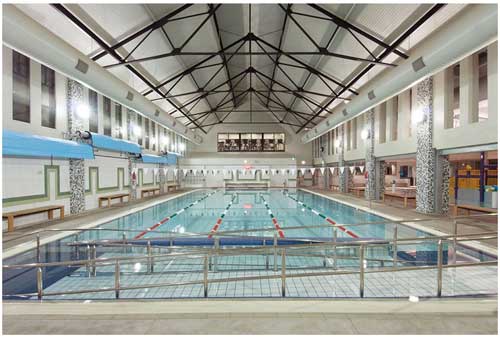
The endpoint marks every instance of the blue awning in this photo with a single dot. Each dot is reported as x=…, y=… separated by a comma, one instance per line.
x=27, y=145
x=152, y=159
x=172, y=159
x=113, y=144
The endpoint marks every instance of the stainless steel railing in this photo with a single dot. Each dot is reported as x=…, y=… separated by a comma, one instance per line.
x=207, y=254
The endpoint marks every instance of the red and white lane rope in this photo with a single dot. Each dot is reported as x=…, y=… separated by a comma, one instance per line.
x=273, y=219
x=330, y=220
x=162, y=221
x=221, y=216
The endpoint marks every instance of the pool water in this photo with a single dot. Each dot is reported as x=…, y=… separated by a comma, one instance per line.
x=217, y=211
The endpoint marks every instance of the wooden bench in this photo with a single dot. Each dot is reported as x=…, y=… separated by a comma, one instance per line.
x=173, y=187
x=246, y=186
x=49, y=209
x=357, y=189
x=469, y=208
x=334, y=187
x=405, y=197
x=149, y=191
x=112, y=197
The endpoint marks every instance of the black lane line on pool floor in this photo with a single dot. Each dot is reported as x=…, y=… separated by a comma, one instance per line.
x=162, y=221
x=330, y=220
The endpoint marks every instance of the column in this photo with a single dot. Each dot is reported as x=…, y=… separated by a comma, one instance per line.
x=163, y=178
x=442, y=185
x=342, y=175
x=370, y=184
x=132, y=178
x=76, y=166
x=468, y=90
x=426, y=154
x=380, y=167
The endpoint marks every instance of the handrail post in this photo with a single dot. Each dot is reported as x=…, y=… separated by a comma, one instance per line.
x=395, y=247
x=275, y=245
x=283, y=272
x=39, y=283
x=117, y=279
x=77, y=247
x=38, y=248
x=94, y=257
x=124, y=237
x=334, y=247
x=205, y=276
x=455, y=233
x=362, y=270
x=440, y=268
x=267, y=255
x=150, y=258
x=87, y=265
x=216, y=248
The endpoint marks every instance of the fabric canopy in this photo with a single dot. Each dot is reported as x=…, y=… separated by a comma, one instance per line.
x=27, y=145
x=114, y=144
x=152, y=159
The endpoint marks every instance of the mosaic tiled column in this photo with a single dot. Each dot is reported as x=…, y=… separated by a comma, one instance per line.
x=343, y=176
x=370, y=185
x=443, y=185
x=132, y=179
x=380, y=167
x=162, y=177
x=76, y=166
x=426, y=154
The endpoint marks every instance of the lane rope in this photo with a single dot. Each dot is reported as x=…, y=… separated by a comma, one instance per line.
x=330, y=220
x=162, y=221
x=221, y=216
x=273, y=219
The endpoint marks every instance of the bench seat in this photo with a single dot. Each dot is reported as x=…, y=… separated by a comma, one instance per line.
x=112, y=197
x=49, y=209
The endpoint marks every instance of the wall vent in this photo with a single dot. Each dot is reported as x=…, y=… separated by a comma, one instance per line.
x=130, y=96
x=173, y=123
x=82, y=66
x=371, y=95
x=418, y=64
x=327, y=123
x=157, y=113
x=344, y=112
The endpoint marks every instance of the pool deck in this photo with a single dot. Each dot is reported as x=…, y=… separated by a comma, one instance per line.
x=396, y=211
x=444, y=316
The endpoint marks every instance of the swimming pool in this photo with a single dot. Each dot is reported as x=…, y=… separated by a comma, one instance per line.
x=198, y=218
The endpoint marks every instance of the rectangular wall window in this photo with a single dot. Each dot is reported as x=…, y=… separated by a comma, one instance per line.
x=21, y=87
x=107, y=116
x=94, y=112
x=139, y=128
x=118, y=120
x=482, y=76
x=348, y=135
x=354, y=125
x=153, y=136
x=48, y=97
x=455, y=99
x=146, y=132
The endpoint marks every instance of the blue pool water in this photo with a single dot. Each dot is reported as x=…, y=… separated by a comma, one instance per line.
x=242, y=210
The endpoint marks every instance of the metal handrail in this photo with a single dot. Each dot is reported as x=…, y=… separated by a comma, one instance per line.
x=266, y=249
x=220, y=233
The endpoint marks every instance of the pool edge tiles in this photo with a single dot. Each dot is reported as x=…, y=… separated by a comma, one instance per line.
x=26, y=246
x=472, y=244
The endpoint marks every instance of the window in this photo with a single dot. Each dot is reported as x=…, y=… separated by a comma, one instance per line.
x=394, y=119
x=455, y=99
x=21, y=87
x=146, y=132
x=94, y=113
x=251, y=142
x=153, y=136
x=118, y=120
x=348, y=127
x=48, y=97
x=482, y=76
x=107, y=116
x=139, y=126
x=245, y=142
x=354, y=133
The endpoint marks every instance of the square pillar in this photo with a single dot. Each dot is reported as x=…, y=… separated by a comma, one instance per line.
x=426, y=154
x=74, y=98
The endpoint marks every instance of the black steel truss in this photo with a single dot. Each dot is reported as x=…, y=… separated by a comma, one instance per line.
x=277, y=96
